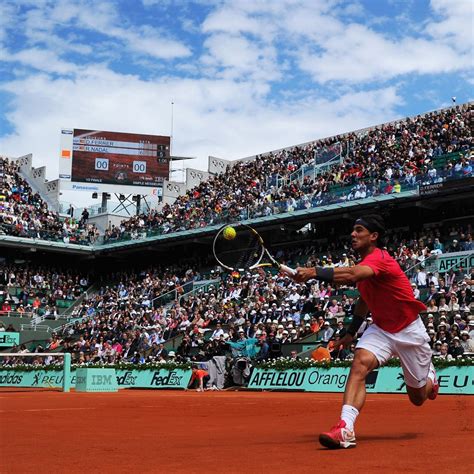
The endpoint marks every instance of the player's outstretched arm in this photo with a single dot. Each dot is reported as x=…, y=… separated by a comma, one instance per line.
x=340, y=275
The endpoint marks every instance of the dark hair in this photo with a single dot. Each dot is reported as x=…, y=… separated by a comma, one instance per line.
x=373, y=223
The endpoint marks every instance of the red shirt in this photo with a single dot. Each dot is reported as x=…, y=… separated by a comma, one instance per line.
x=388, y=293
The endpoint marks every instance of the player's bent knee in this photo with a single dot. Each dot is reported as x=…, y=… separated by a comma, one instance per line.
x=359, y=370
x=364, y=362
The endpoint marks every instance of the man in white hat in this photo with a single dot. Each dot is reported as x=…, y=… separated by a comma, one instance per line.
x=470, y=328
x=467, y=342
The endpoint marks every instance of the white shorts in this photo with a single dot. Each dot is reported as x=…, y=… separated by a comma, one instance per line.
x=409, y=344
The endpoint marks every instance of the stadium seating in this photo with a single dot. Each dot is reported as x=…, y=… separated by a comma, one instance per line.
x=384, y=160
x=157, y=306
x=143, y=316
x=24, y=214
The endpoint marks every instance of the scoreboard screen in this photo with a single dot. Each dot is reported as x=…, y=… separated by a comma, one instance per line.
x=119, y=158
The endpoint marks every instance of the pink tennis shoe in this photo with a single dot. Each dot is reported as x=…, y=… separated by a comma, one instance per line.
x=338, y=437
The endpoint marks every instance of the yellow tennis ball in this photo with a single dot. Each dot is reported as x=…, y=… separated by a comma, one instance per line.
x=229, y=233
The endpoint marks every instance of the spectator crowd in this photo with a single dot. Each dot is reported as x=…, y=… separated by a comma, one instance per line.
x=256, y=315
x=381, y=160
x=34, y=290
x=23, y=213
x=253, y=314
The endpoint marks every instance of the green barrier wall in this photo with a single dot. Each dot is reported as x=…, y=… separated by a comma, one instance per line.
x=96, y=380
x=125, y=378
x=452, y=380
x=9, y=339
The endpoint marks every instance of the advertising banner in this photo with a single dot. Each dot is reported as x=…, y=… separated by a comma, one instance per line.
x=158, y=378
x=453, y=380
x=9, y=339
x=96, y=380
x=153, y=378
x=455, y=260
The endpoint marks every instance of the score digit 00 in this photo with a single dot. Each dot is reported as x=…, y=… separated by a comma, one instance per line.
x=139, y=166
x=102, y=164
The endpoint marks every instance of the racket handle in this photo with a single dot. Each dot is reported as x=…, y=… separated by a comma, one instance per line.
x=287, y=270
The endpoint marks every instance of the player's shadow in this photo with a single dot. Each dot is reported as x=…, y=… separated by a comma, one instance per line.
x=392, y=437
x=371, y=437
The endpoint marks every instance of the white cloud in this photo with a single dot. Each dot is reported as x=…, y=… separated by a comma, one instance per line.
x=373, y=57
x=241, y=58
x=219, y=117
x=331, y=49
x=43, y=60
x=40, y=25
x=239, y=55
x=455, y=24
x=7, y=18
x=234, y=21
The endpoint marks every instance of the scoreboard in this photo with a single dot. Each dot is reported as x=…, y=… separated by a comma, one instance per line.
x=114, y=158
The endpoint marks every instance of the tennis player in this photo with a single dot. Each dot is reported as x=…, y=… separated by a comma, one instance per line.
x=397, y=330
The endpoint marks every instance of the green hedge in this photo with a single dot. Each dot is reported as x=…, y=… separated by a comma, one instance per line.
x=284, y=363
x=281, y=363
x=120, y=366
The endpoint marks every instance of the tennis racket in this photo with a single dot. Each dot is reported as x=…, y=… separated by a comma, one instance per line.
x=246, y=251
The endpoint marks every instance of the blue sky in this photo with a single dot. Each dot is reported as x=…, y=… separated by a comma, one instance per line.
x=245, y=76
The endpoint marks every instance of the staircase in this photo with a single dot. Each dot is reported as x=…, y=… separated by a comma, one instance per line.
x=323, y=160
x=36, y=178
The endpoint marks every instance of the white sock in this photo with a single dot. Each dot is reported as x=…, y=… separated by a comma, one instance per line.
x=432, y=373
x=349, y=415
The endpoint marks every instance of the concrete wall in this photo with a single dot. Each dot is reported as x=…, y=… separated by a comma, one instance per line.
x=36, y=178
x=171, y=190
x=104, y=221
x=194, y=177
x=218, y=165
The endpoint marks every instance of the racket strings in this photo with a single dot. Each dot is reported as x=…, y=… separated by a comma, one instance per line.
x=252, y=254
x=239, y=253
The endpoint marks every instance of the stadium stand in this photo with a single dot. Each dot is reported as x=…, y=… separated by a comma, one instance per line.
x=133, y=320
x=382, y=160
x=24, y=213
x=175, y=305
x=39, y=291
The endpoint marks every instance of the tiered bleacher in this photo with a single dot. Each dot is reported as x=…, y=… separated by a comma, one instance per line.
x=25, y=214
x=194, y=311
x=46, y=292
x=384, y=160
x=134, y=320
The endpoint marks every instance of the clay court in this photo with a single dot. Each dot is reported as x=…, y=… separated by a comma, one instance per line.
x=237, y=432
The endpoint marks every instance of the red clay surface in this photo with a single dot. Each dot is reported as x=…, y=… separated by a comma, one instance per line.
x=234, y=432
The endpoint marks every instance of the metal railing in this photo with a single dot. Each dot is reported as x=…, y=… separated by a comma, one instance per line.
x=425, y=264
x=16, y=314
x=429, y=264
x=77, y=302
x=199, y=288
x=171, y=295
x=77, y=237
x=320, y=164
x=356, y=191
x=458, y=264
x=35, y=327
